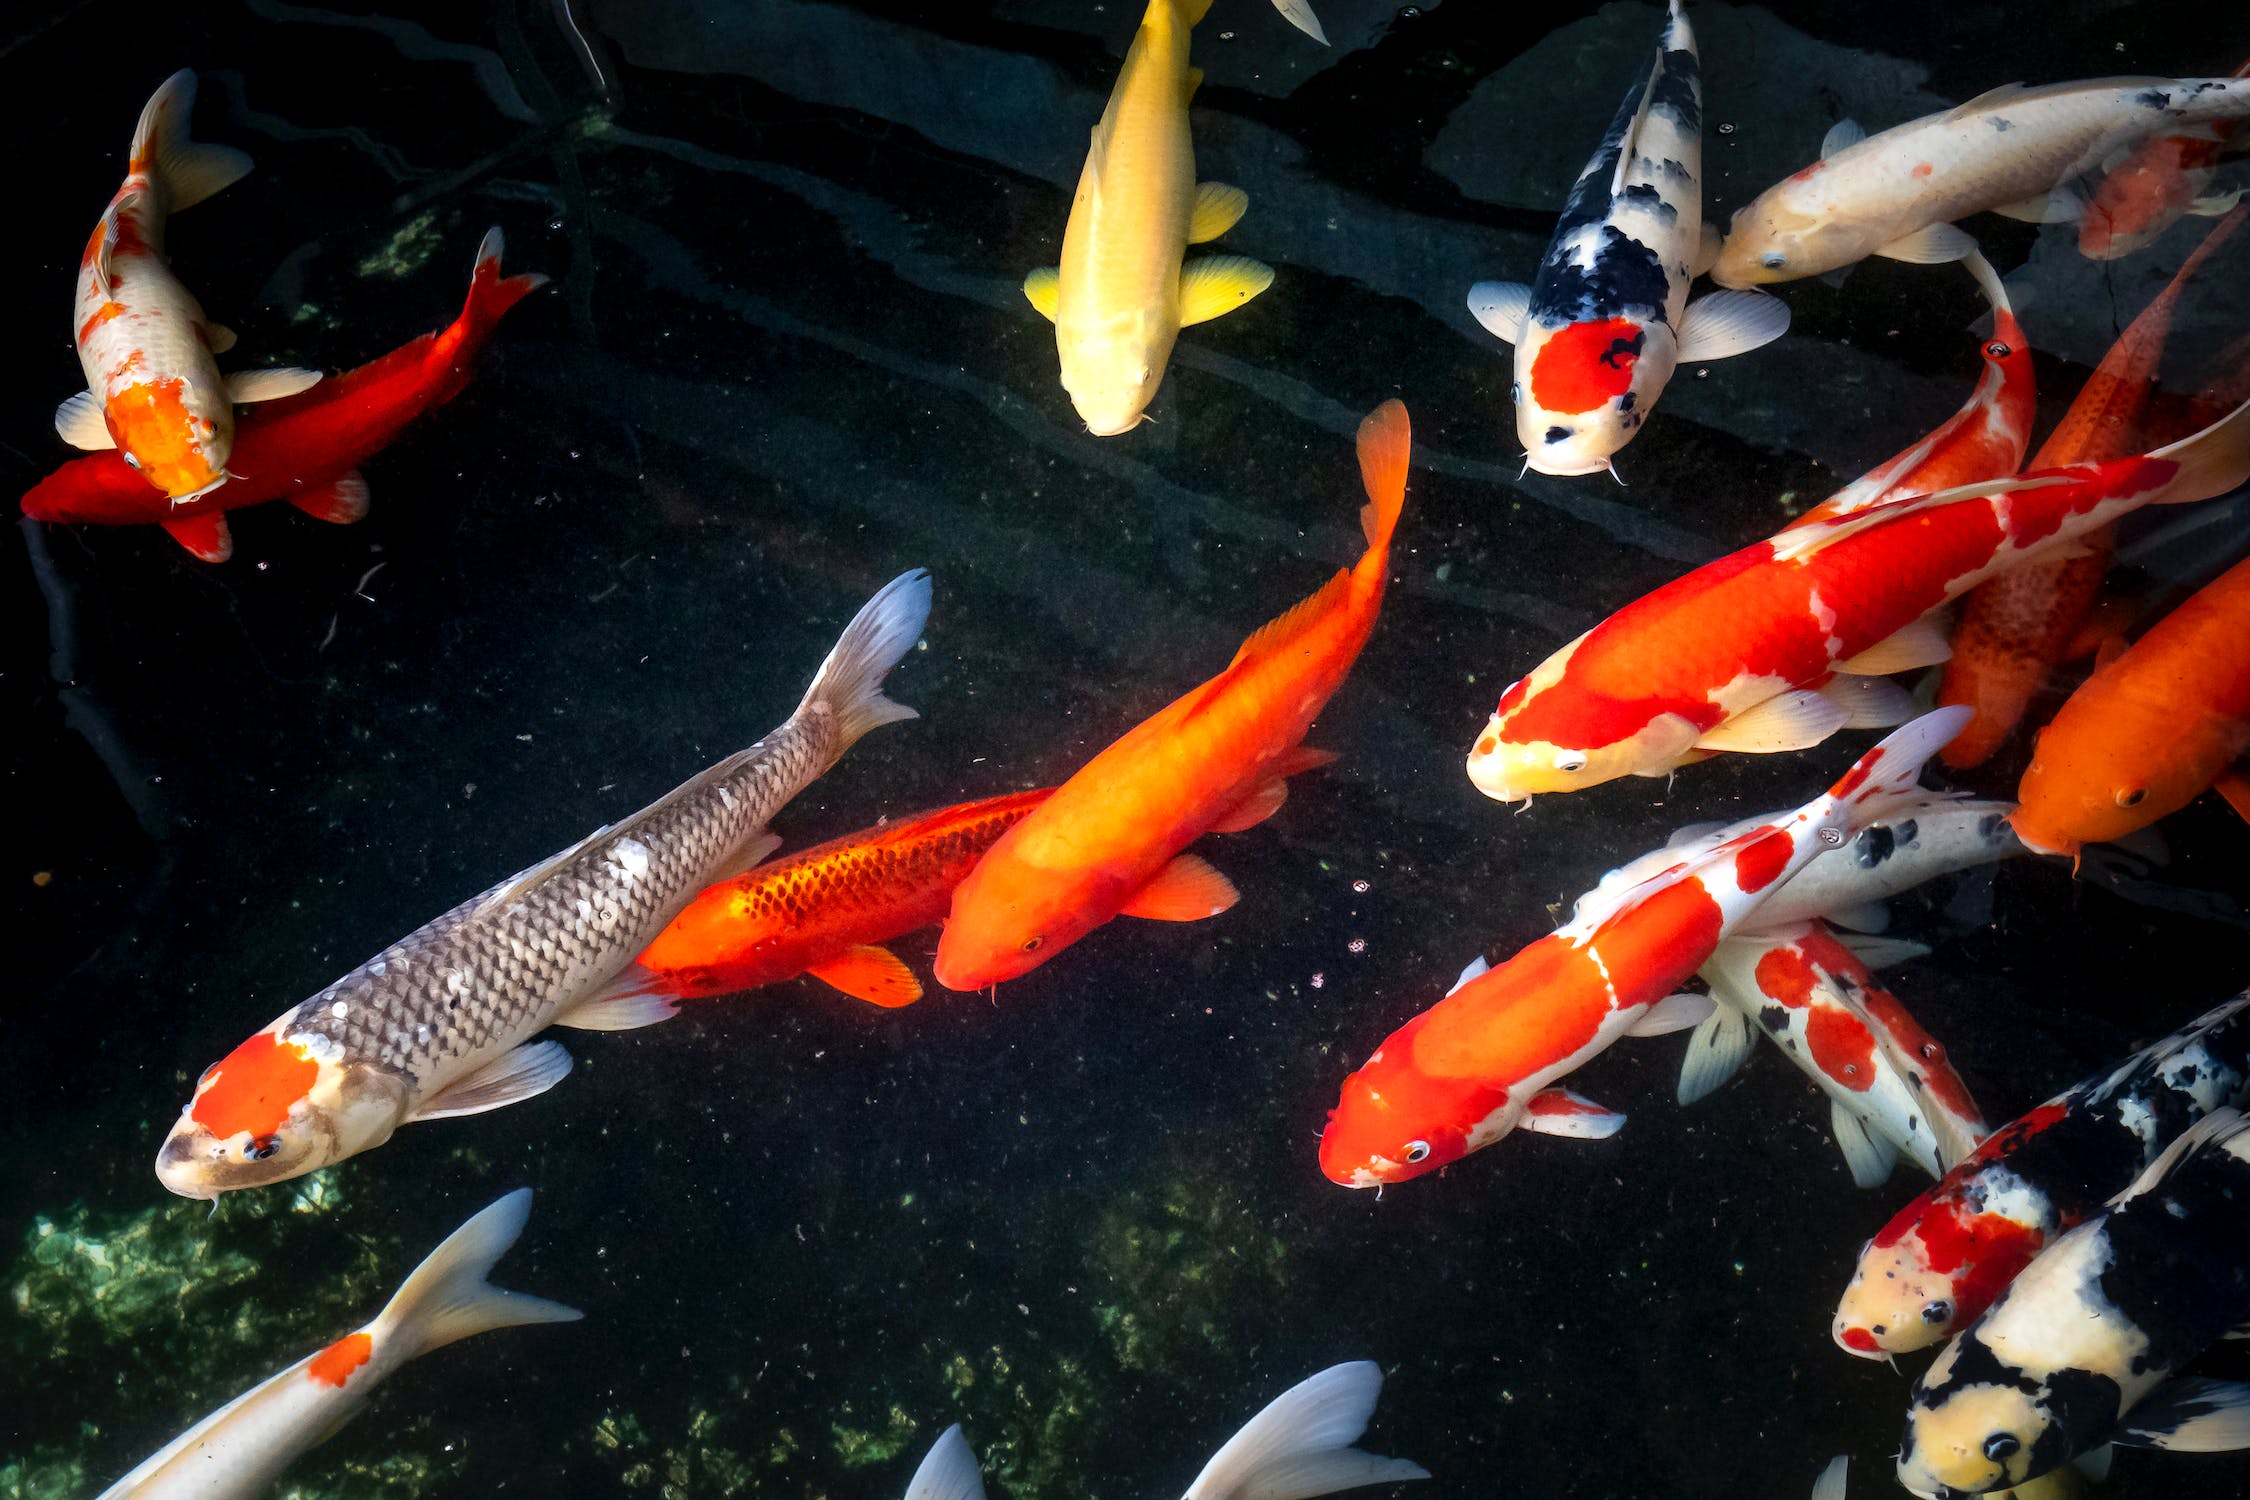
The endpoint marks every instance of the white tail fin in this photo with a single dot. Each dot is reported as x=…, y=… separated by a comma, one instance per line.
x=949, y=1472
x=2211, y=462
x=1300, y=1445
x=850, y=682
x=1830, y=1484
x=1988, y=281
x=1893, y=769
x=164, y=150
x=447, y=1298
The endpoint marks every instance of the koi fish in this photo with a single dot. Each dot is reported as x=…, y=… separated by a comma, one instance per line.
x=153, y=388
x=1913, y=844
x=1487, y=1058
x=2082, y=1347
x=241, y=1449
x=1890, y=1088
x=2149, y=732
x=2009, y=151
x=1779, y=645
x=826, y=911
x=441, y=1022
x=1121, y=295
x=2015, y=629
x=1108, y=842
x=2154, y=186
x=1298, y=1447
x=1299, y=13
x=304, y=449
x=1948, y=1255
x=1600, y=331
x=1985, y=439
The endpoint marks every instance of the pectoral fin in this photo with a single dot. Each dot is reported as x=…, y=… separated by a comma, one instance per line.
x=79, y=422
x=245, y=387
x=1219, y=284
x=1218, y=208
x=1186, y=890
x=870, y=973
x=205, y=534
x=1561, y=1112
x=1786, y=721
x=1869, y=1159
x=515, y=1075
x=2061, y=206
x=1715, y=1052
x=635, y=998
x=2191, y=1416
x=1869, y=702
x=1921, y=644
x=1931, y=245
x=1500, y=306
x=1842, y=136
x=339, y=502
x=1673, y=1013
x=1043, y=287
x=218, y=338
x=1720, y=324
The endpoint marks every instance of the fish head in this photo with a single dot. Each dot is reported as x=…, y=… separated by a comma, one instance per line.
x=282, y=1104
x=1393, y=1122
x=1009, y=917
x=1582, y=389
x=1557, y=731
x=1768, y=241
x=1112, y=369
x=174, y=434
x=1974, y=1437
x=1896, y=1302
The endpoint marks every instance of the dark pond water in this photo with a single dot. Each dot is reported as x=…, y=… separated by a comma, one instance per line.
x=784, y=358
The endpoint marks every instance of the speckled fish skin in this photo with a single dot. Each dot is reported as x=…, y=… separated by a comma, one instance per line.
x=1949, y=1254
x=2004, y=148
x=2102, y=1319
x=338, y=1073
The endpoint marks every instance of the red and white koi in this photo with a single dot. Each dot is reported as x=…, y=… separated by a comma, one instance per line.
x=239, y=1450
x=1486, y=1059
x=1600, y=331
x=2010, y=151
x=1779, y=645
x=2150, y=188
x=153, y=387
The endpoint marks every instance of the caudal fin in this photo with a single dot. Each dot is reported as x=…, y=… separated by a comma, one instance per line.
x=447, y=1298
x=1893, y=769
x=1386, y=439
x=2215, y=460
x=949, y=1472
x=850, y=682
x=1300, y=1445
x=490, y=293
x=164, y=150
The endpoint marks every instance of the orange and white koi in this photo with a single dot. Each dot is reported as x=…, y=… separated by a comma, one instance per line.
x=2155, y=185
x=1985, y=439
x=441, y=1023
x=2009, y=151
x=2149, y=732
x=153, y=388
x=1109, y=842
x=238, y=1451
x=1599, y=332
x=1487, y=1058
x=1779, y=645
x=2016, y=628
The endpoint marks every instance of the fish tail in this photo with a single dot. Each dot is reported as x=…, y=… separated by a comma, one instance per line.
x=164, y=151
x=1893, y=769
x=1385, y=442
x=1995, y=291
x=850, y=683
x=490, y=293
x=2212, y=462
x=949, y=1471
x=447, y=1298
x=1300, y=1445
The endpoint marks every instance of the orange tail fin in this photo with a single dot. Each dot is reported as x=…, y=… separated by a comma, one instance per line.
x=1385, y=441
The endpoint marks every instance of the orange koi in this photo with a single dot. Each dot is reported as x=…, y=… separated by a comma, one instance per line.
x=1109, y=842
x=2154, y=186
x=826, y=912
x=2149, y=732
x=2015, y=628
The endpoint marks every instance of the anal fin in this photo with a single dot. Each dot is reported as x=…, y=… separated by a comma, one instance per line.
x=205, y=534
x=339, y=502
x=870, y=973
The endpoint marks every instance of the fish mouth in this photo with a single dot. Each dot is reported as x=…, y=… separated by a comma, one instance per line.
x=177, y=1169
x=1575, y=471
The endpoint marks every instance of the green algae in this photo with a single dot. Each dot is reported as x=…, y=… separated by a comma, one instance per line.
x=1179, y=1266
x=409, y=250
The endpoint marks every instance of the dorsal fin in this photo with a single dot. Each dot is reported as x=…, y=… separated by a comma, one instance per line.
x=1278, y=631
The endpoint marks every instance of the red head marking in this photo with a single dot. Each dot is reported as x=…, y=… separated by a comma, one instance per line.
x=334, y=1364
x=1859, y=1339
x=1586, y=365
x=255, y=1087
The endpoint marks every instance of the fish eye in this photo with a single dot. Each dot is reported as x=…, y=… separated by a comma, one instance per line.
x=1033, y=943
x=1998, y=350
x=1832, y=837
x=1937, y=1313
x=2131, y=796
x=1515, y=391
x=132, y=461
x=261, y=1147
x=1417, y=1151
x=2002, y=1445
x=1773, y=260
x=1570, y=763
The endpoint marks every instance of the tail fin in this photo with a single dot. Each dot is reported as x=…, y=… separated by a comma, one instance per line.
x=1830, y=1484
x=1299, y=13
x=447, y=1298
x=1300, y=1445
x=850, y=682
x=490, y=294
x=164, y=150
x=2215, y=460
x=1385, y=443
x=1988, y=282
x=1893, y=769
x=949, y=1472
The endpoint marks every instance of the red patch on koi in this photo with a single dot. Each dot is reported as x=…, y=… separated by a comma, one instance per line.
x=102, y=314
x=1758, y=865
x=1857, y=776
x=334, y=1364
x=1841, y=1047
x=1586, y=364
x=1923, y=169
x=1783, y=975
x=1860, y=1339
x=254, y=1087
